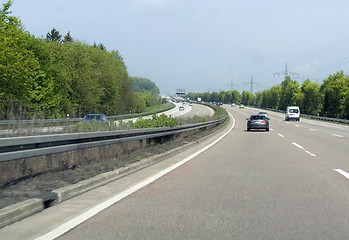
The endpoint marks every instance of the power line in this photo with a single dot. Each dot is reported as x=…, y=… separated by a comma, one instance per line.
x=331, y=66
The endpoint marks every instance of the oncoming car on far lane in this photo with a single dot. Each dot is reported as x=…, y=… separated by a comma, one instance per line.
x=257, y=122
x=98, y=117
x=181, y=108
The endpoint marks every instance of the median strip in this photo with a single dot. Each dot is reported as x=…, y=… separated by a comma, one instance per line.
x=60, y=230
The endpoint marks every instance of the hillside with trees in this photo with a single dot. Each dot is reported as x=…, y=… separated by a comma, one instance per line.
x=55, y=76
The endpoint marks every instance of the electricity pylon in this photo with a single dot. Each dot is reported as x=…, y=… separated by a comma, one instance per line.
x=232, y=84
x=286, y=73
x=251, y=84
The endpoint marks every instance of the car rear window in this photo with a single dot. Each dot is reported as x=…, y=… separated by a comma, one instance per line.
x=257, y=117
x=293, y=110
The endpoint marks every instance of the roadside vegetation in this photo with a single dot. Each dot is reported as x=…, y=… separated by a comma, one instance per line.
x=328, y=99
x=58, y=75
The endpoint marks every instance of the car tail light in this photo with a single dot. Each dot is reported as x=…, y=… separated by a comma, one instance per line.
x=250, y=120
x=264, y=120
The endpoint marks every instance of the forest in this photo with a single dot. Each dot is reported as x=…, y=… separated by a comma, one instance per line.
x=328, y=99
x=54, y=76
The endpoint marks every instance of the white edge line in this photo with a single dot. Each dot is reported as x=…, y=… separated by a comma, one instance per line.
x=60, y=230
x=344, y=173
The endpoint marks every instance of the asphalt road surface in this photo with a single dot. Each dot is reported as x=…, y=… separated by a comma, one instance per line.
x=188, y=112
x=289, y=183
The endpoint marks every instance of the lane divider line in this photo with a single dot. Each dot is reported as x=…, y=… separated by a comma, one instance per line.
x=336, y=135
x=301, y=147
x=344, y=173
x=281, y=135
x=297, y=145
x=65, y=227
x=314, y=130
x=311, y=154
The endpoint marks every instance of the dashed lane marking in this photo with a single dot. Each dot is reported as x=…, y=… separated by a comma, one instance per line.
x=311, y=154
x=336, y=135
x=301, y=147
x=297, y=145
x=281, y=135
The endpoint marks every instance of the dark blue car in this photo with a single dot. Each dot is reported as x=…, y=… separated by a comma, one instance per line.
x=98, y=117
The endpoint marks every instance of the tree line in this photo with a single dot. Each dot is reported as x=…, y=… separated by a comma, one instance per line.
x=55, y=76
x=329, y=99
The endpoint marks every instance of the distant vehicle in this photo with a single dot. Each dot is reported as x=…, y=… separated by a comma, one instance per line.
x=257, y=122
x=233, y=104
x=98, y=117
x=190, y=104
x=292, y=113
x=263, y=113
x=181, y=108
x=219, y=104
x=242, y=106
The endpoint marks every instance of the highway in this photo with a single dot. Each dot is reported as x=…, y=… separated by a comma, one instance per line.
x=289, y=183
x=188, y=112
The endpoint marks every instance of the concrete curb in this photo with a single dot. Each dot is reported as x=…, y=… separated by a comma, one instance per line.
x=20, y=210
x=26, y=208
x=31, y=206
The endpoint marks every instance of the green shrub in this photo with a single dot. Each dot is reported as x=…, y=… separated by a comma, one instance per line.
x=156, y=121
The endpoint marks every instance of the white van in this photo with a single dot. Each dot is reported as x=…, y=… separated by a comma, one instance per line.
x=292, y=112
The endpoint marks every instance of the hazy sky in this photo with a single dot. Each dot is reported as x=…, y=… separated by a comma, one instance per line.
x=203, y=45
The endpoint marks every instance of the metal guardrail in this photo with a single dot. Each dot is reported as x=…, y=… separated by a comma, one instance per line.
x=23, y=147
x=326, y=118
x=339, y=120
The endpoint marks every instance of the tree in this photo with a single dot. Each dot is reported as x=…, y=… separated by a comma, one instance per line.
x=6, y=19
x=335, y=91
x=53, y=36
x=68, y=38
x=288, y=90
x=24, y=87
x=144, y=85
x=247, y=98
x=100, y=46
x=310, y=98
x=271, y=97
x=258, y=99
x=236, y=96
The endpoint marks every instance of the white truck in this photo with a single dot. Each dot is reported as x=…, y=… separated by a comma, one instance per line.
x=292, y=113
